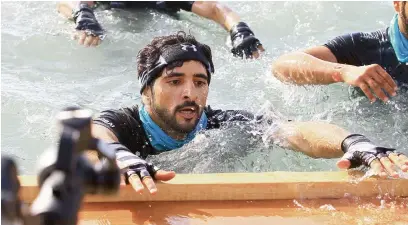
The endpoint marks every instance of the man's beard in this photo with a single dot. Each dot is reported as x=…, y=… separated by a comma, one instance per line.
x=406, y=26
x=404, y=18
x=170, y=121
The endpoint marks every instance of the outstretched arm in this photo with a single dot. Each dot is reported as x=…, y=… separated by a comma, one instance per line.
x=242, y=37
x=216, y=12
x=318, y=65
x=66, y=8
x=315, y=139
x=325, y=140
x=139, y=172
x=89, y=31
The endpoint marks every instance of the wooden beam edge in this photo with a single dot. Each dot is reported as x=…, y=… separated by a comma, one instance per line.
x=249, y=186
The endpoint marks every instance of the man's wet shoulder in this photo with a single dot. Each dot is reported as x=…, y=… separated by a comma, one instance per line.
x=111, y=118
x=218, y=117
x=378, y=37
x=130, y=111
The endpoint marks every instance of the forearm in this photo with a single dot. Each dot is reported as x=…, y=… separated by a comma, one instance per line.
x=315, y=139
x=103, y=134
x=217, y=12
x=66, y=8
x=302, y=68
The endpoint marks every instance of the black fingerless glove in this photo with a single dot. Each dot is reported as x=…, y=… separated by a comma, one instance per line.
x=130, y=164
x=361, y=151
x=85, y=20
x=243, y=40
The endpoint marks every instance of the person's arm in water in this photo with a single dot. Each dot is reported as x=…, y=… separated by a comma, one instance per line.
x=134, y=179
x=89, y=31
x=243, y=39
x=66, y=8
x=318, y=65
x=325, y=140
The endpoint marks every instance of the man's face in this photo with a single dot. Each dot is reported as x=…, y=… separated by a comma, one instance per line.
x=402, y=9
x=179, y=96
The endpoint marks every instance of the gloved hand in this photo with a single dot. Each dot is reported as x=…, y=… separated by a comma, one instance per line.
x=359, y=150
x=244, y=42
x=89, y=29
x=137, y=171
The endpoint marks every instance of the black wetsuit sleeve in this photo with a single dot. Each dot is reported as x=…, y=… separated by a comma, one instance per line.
x=124, y=125
x=177, y=5
x=346, y=48
x=217, y=118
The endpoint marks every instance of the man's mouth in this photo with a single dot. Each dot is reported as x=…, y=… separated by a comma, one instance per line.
x=188, y=112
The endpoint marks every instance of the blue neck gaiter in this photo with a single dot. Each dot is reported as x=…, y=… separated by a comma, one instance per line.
x=159, y=139
x=398, y=41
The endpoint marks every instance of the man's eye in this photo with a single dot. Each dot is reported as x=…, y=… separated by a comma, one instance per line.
x=201, y=83
x=174, y=82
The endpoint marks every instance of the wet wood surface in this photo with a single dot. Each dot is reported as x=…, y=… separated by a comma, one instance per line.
x=250, y=198
x=350, y=210
x=249, y=186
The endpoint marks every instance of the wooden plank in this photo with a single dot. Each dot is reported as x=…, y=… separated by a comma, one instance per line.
x=249, y=186
x=352, y=210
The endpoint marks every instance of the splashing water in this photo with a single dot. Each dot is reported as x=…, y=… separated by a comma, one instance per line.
x=43, y=70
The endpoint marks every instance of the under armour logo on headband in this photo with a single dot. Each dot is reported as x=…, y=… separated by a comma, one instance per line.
x=185, y=47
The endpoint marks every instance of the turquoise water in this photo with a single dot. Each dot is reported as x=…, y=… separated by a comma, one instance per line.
x=43, y=70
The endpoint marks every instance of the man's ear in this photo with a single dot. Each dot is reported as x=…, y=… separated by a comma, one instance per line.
x=147, y=95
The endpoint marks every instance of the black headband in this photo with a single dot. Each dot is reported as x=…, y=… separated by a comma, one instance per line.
x=178, y=52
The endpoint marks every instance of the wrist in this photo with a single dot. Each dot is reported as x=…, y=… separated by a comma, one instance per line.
x=117, y=146
x=124, y=157
x=339, y=72
x=240, y=27
x=234, y=25
x=352, y=140
x=342, y=72
x=81, y=8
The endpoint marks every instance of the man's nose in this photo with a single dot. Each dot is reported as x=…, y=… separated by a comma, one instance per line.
x=188, y=91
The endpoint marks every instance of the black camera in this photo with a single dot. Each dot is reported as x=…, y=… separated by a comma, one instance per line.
x=65, y=175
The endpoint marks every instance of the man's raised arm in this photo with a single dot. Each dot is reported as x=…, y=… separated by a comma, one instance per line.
x=89, y=31
x=243, y=39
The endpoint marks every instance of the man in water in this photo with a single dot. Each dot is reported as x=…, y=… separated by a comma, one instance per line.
x=375, y=62
x=175, y=73
x=90, y=32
